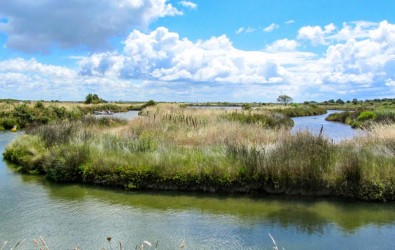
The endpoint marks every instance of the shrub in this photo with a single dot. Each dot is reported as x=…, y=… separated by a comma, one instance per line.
x=8, y=123
x=64, y=164
x=366, y=115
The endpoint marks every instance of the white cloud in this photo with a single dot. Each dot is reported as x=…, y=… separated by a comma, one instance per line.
x=40, y=25
x=189, y=4
x=282, y=45
x=162, y=55
x=271, y=27
x=329, y=28
x=240, y=30
x=244, y=30
x=313, y=33
x=19, y=65
x=291, y=21
x=390, y=82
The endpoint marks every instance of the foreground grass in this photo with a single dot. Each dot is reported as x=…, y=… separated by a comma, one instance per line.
x=173, y=148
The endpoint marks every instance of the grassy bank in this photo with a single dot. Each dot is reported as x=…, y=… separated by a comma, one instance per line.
x=25, y=114
x=364, y=118
x=295, y=110
x=173, y=148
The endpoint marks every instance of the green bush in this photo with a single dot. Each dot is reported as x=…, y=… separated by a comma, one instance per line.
x=366, y=115
x=8, y=123
x=64, y=164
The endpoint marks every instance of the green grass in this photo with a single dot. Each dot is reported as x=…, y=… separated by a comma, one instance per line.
x=295, y=110
x=363, y=118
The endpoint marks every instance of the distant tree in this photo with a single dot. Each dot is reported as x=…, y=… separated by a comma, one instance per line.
x=339, y=101
x=151, y=103
x=39, y=105
x=354, y=101
x=331, y=101
x=284, y=99
x=94, y=99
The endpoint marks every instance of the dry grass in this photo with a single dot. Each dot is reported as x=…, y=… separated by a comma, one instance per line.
x=199, y=127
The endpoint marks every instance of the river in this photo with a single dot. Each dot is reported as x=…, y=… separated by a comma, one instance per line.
x=333, y=130
x=78, y=215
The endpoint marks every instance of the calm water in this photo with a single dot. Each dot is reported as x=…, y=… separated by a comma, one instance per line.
x=76, y=215
x=123, y=115
x=332, y=130
x=216, y=107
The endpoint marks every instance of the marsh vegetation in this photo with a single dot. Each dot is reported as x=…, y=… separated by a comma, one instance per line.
x=34, y=113
x=173, y=148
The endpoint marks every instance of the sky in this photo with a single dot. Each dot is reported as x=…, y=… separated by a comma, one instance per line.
x=197, y=51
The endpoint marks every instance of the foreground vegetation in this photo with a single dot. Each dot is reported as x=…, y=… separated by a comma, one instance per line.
x=173, y=148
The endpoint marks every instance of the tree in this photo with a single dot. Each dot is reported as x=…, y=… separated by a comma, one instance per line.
x=339, y=101
x=93, y=98
x=284, y=99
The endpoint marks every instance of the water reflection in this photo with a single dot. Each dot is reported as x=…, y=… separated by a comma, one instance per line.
x=307, y=215
x=306, y=221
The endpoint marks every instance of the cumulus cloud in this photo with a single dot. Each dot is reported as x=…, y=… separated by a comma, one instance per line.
x=348, y=66
x=40, y=25
x=163, y=55
x=358, y=61
x=282, y=45
x=271, y=27
x=189, y=4
x=314, y=34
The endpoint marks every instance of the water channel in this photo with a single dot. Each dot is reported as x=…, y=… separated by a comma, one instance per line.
x=78, y=215
x=333, y=130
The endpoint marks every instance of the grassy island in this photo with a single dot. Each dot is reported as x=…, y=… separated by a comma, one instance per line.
x=169, y=147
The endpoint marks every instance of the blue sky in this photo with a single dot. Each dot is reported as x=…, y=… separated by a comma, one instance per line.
x=205, y=50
